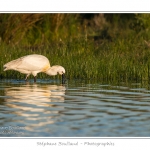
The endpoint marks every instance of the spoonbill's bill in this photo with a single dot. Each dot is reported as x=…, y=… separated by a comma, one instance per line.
x=33, y=64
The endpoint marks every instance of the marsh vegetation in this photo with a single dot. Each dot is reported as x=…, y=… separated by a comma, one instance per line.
x=89, y=46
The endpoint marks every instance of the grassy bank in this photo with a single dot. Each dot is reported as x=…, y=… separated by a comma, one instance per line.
x=120, y=59
x=89, y=46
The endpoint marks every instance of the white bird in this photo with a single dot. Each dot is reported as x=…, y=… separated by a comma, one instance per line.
x=33, y=64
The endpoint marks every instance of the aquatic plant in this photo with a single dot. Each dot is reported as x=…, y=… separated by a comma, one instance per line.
x=115, y=52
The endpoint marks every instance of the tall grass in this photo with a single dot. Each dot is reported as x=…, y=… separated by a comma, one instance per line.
x=122, y=59
x=100, y=50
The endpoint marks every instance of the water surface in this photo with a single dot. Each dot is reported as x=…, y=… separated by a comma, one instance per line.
x=76, y=109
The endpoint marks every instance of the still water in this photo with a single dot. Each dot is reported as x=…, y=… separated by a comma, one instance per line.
x=77, y=109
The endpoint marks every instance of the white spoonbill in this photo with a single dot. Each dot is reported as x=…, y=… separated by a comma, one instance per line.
x=33, y=64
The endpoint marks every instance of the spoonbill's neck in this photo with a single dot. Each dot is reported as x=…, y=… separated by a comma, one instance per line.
x=51, y=71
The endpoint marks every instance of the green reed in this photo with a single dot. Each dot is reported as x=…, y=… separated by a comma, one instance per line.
x=120, y=53
x=120, y=59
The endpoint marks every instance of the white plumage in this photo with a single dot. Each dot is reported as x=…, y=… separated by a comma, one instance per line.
x=33, y=64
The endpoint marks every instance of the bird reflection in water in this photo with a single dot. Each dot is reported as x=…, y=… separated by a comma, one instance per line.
x=38, y=104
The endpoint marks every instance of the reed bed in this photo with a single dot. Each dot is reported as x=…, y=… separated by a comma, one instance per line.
x=84, y=59
x=107, y=47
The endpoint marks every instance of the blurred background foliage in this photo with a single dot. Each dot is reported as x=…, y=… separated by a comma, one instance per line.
x=89, y=45
x=41, y=29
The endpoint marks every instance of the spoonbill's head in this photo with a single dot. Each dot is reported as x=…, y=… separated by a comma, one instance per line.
x=54, y=70
x=61, y=70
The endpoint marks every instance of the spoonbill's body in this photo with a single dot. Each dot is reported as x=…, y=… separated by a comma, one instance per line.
x=33, y=64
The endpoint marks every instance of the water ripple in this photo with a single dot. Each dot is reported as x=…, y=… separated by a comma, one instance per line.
x=78, y=109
